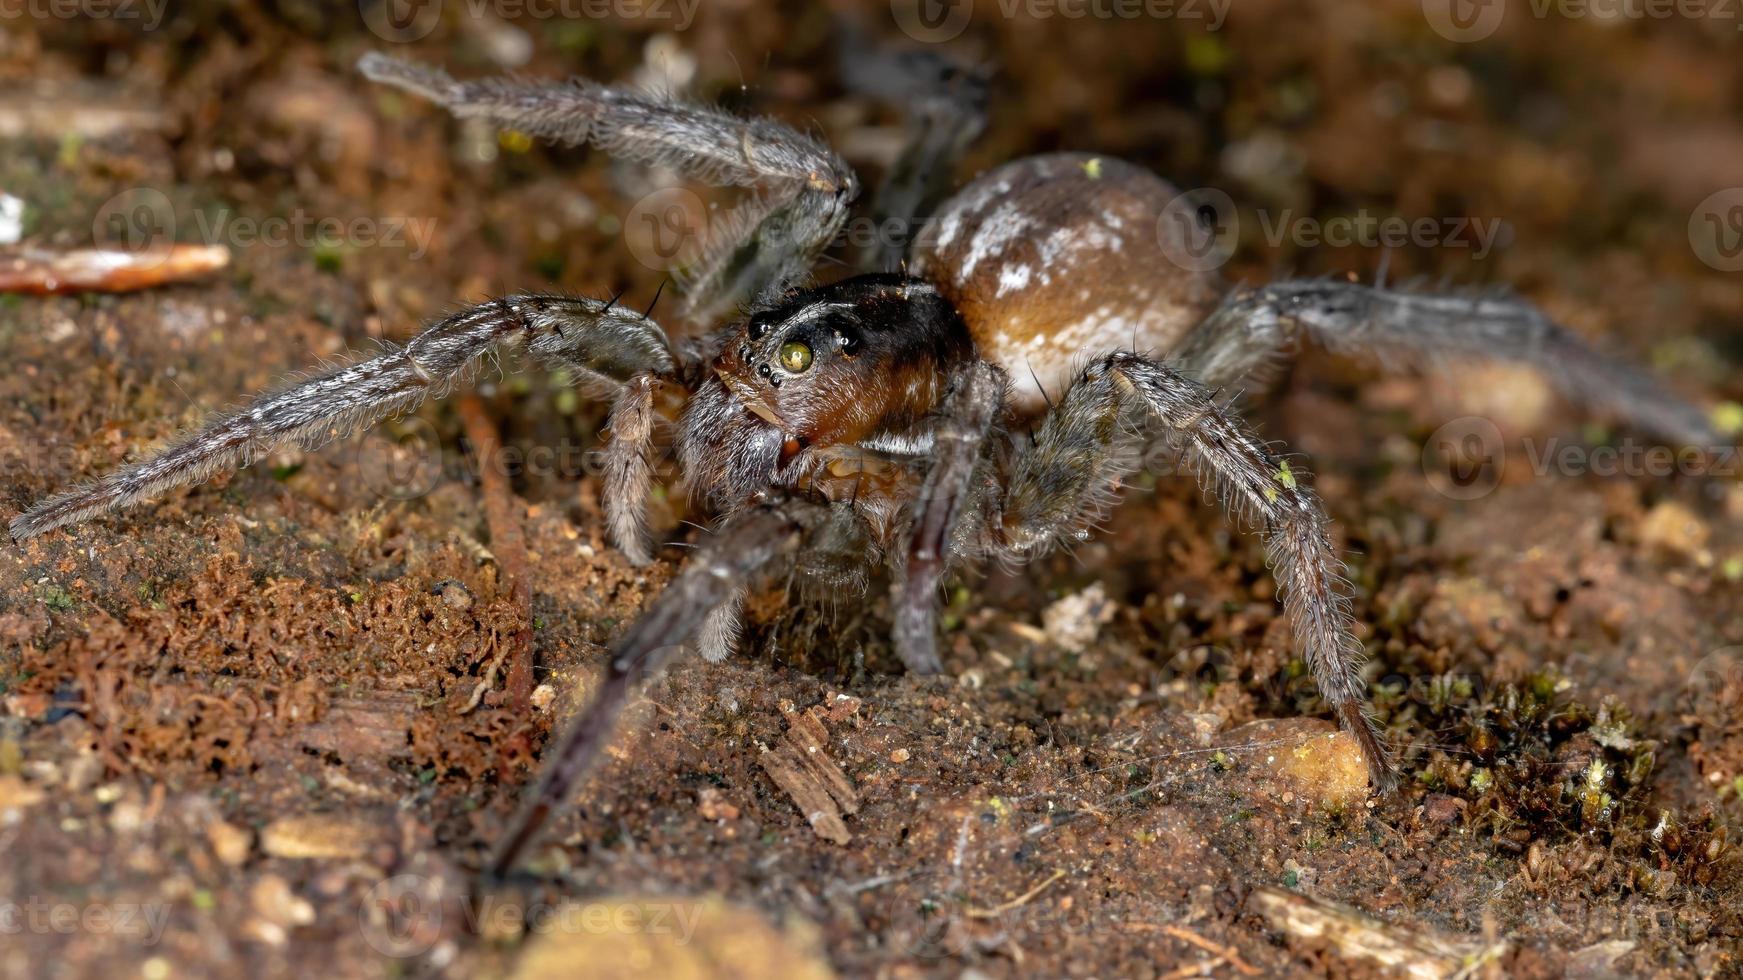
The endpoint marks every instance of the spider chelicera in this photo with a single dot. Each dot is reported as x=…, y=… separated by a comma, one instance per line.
x=981, y=405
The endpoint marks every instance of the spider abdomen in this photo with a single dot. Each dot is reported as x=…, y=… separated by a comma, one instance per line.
x=1055, y=258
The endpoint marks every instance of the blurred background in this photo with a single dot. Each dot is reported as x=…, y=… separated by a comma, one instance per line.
x=268, y=720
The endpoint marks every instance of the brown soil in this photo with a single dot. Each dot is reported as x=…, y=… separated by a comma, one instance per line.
x=252, y=712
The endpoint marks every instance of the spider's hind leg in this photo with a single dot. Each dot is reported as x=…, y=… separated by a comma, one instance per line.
x=1254, y=327
x=1064, y=480
x=944, y=110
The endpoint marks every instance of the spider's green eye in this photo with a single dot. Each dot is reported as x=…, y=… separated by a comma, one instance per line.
x=795, y=357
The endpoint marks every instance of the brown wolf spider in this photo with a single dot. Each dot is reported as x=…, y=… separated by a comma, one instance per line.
x=882, y=419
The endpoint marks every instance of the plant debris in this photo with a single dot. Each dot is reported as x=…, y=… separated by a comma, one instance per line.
x=800, y=764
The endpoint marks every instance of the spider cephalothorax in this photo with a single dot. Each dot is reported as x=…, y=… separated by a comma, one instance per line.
x=840, y=428
x=808, y=392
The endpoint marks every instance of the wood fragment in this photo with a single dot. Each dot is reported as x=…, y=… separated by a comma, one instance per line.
x=800, y=765
x=37, y=271
x=1354, y=935
x=508, y=543
x=58, y=110
x=1199, y=969
x=367, y=727
x=318, y=836
x=1220, y=954
x=1015, y=903
x=1226, y=953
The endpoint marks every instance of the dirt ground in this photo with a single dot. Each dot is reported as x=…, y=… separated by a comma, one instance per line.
x=263, y=727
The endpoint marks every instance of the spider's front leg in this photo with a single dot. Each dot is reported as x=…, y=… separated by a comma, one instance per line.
x=1254, y=326
x=749, y=543
x=1062, y=484
x=958, y=435
x=595, y=341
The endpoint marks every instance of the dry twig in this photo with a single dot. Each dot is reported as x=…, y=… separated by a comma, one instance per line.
x=508, y=543
x=44, y=272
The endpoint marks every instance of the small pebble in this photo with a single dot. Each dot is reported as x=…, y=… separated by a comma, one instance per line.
x=319, y=836
x=274, y=901
x=899, y=756
x=229, y=842
x=713, y=806
x=16, y=794
x=1673, y=527
x=1076, y=620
